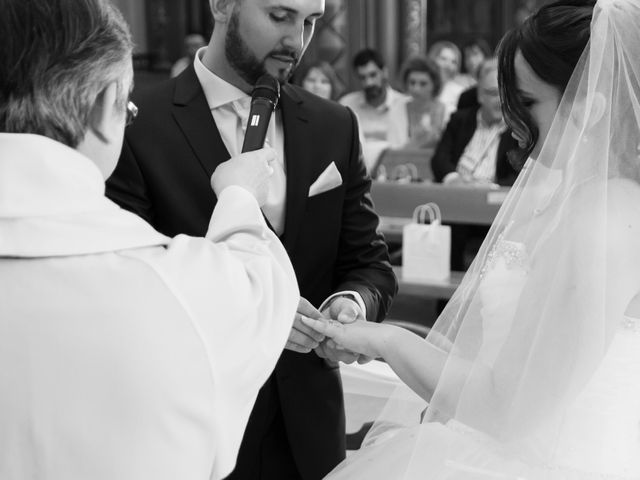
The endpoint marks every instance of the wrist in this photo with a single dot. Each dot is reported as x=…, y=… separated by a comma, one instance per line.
x=388, y=341
x=349, y=295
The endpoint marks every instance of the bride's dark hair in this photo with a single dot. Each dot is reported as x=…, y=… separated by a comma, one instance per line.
x=551, y=41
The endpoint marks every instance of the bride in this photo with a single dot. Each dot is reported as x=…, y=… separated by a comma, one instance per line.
x=533, y=369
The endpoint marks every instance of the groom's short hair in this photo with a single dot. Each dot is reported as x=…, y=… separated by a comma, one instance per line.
x=58, y=56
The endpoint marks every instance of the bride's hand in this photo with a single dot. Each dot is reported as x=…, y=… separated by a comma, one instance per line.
x=364, y=338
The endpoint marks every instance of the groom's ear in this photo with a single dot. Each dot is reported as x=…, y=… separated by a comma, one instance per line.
x=222, y=10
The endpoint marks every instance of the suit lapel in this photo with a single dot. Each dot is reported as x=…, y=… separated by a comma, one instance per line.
x=193, y=116
x=192, y=113
x=298, y=158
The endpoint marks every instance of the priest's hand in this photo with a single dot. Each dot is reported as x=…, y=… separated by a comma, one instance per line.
x=250, y=170
x=345, y=310
x=365, y=338
x=302, y=338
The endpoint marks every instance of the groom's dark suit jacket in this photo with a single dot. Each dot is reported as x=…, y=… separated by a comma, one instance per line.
x=163, y=175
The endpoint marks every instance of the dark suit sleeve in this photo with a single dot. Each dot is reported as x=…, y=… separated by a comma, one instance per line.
x=444, y=160
x=127, y=187
x=363, y=260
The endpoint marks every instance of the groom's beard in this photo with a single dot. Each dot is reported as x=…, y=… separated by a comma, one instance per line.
x=243, y=61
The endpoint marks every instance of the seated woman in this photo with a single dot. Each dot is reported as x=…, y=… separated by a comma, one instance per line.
x=320, y=78
x=533, y=369
x=418, y=121
x=474, y=53
x=448, y=57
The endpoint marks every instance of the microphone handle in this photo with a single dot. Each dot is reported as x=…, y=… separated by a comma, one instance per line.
x=257, y=124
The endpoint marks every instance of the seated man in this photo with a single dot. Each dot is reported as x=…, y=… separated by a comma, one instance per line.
x=469, y=98
x=372, y=103
x=475, y=149
x=476, y=143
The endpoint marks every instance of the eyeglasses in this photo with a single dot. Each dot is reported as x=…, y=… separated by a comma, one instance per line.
x=132, y=112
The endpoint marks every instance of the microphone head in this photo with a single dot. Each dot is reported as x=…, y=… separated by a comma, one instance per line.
x=267, y=87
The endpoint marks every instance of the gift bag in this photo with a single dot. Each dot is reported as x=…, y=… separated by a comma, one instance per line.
x=426, y=247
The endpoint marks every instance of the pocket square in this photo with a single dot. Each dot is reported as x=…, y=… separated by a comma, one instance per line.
x=330, y=178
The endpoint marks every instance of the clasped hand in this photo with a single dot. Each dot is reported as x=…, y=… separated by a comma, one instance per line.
x=303, y=338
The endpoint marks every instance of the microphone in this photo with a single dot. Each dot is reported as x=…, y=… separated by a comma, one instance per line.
x=264, y=99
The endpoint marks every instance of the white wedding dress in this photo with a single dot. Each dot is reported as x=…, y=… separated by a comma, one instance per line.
x=599, y=433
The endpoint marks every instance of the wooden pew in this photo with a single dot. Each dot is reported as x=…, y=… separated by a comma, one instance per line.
x=395, y=164
x=395, y=203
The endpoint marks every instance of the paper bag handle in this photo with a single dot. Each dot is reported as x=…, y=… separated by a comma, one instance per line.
x=430, y=210
x=410, y=168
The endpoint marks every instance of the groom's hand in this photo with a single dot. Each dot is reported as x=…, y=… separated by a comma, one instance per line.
x=303, y=339
x=345, y=310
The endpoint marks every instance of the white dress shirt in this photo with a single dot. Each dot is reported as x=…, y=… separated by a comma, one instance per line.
x=228, y=105
x=125, y=354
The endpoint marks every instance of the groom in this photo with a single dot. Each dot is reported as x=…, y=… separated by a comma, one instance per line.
x=319, y=205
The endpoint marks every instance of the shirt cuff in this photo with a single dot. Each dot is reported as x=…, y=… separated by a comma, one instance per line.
x=355, y=296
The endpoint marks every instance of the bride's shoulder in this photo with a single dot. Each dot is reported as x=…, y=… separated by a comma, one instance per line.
x=619, y=197
x=623, y=212
x=623, y=206
x=623, y=193
x=614, y=205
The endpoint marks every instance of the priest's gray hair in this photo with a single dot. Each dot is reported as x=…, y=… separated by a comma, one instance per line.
x=58, y=57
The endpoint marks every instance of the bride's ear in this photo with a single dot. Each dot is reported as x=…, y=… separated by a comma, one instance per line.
x=598, y=106
x=589, y=112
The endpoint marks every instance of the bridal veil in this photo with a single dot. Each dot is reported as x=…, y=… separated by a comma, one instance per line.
x=542, y=332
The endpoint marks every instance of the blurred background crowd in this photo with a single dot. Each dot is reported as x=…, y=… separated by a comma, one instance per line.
x=419, y=74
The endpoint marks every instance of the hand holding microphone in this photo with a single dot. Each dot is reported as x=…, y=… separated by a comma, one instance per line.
x=251, y=169
x=264, y=99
